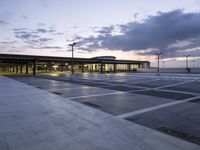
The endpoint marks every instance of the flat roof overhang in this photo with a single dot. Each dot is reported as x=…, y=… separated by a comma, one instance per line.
x=15, y=58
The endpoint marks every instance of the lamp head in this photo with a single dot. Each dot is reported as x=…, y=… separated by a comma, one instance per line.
x=159, y=53
x=72, y=44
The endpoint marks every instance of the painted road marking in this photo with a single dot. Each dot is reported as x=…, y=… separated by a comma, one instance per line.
x=126, y=115
x=104, y=94
x=175, y=84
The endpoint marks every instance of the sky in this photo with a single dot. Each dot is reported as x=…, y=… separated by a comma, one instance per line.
x=127, y=29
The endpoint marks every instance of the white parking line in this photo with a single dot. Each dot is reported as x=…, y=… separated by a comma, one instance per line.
x=181, y=92
x=126, y=115
x=175, y=84
x=104, y=94
x=95, y=95
x=71, y=88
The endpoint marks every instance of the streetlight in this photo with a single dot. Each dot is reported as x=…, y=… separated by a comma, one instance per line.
x=194, y=63
x=158, y=55
x=163, y=64
x=72, y=45
x=186, y=61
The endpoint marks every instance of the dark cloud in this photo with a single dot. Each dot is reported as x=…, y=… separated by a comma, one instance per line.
x=39, y=41
x=45, y=47
x=59, y=33
x=41, y=30
x=74, y=27
x=8, y=42
x=158, y=32
x=3, y=22
x=24, y=17
x=51, y=47
x=35, y=39
x=15, y=50
x=24, y=35
x=27, y=34
x=45, y=39
x=52, y=30
x=19, y=29
x=41, y=24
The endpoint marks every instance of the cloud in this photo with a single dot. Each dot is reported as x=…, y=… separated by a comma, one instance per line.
x=41, y=30
x=24, y=17
x=45, y=39
x=44, y=47
x=51, y=47
x=8, y=42
x=158, y=32
x=33, y=35
x=3, y=22
x=24, y=33
x=35, y=39
x=59, y=33
x=40, y=24
x=52, y=30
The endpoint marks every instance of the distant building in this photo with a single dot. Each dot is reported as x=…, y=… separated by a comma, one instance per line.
x=25, y=64
x=105, y=57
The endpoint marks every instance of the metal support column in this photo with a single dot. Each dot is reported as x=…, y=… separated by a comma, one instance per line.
x=21, y=68
x=82, y=68
x=129, y=67
x=101, y=68
x=34, y=68
x=26, y=68
x=16, y=68
x=115, y=66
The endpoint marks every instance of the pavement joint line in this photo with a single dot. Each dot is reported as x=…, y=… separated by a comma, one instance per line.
x=43, y=92
x=141, y=111
x=175, y=84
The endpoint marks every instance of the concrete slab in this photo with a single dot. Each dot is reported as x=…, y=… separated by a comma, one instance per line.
x=122, y=102
x=196, y=101
x=165, y=94
x=178, y=118
x=157, y=83
x=187, y=87
x=63, y=124
x=81, y=92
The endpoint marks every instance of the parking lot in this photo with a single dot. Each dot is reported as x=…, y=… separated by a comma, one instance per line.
x=169, y=104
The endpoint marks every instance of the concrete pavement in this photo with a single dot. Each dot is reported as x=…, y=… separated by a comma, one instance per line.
x=34, y=119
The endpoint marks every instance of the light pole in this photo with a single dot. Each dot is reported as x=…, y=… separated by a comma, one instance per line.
x=193, y=63
x=163, y=64
x=186, y=60
x=158, y=56
x=72, y=45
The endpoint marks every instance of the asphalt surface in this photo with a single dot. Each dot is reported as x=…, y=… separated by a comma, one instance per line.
x=166, y=103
